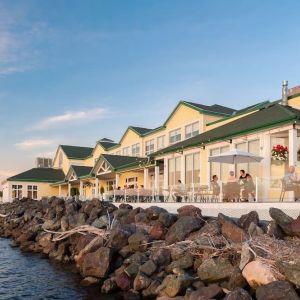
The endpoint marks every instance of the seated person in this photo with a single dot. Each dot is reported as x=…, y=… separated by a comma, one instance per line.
x=249, y=187
x=291, y=182
x=215, y=185
x=231, y=177
x=243, y=176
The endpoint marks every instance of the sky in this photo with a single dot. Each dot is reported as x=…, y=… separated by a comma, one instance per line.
x=72, y=72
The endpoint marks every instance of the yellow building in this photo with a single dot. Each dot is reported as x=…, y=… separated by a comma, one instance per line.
x=156, y=159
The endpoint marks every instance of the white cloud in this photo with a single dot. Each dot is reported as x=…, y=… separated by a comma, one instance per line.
x=72, y=116
x=34, y=143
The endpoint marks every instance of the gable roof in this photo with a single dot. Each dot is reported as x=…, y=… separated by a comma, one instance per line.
x=216, y=108
x=39, y=175
x=270, y=116
x=120, y=162
x=81, y=171
x=107, y=144
x=76, y=152
x=140, y=130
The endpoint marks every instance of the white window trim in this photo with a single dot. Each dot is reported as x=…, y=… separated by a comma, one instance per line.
x=163, y=138
x=191, y=124
x=150, y=142
x=170, y=131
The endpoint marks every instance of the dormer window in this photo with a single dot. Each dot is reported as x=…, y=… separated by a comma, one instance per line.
x=191, y=130
x=175, y=136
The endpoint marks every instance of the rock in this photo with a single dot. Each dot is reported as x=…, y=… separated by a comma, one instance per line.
x=157, y=231
x=291, y=270
x=64, y=223
x=274, y=230
x=213, y=270
x=238, y=294
x=109, y=286
x=119, y=236
x=236, y=280
x=189, y=210
x=141, y=282
x=167, y=219
x=87, y=281
x=153, y=212
x=283, y=220
x=207, y=292
x=231, y=231
x=123, y=281
x=259, y=273
x=97, y=263
x=148, y=267
x=138, y=242
x=184, y=262
x=173, y=285
x=170, y=298
x=276, y=290
x=131, y=295
x=52, y=225
x=181, y=229
x=150, y=291
x=141, y=218
x=161, y=256
x=132, y=270
x=295, y=227
x=245, y=220
x=254, y=230
x=125, y=251
x=125, y=206
x=211, y=227
x=136, y=257
x=246, y=256
x=76, y=220
x=101, y=222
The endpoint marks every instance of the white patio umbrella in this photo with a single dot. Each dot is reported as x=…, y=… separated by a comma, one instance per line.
x=235, y=157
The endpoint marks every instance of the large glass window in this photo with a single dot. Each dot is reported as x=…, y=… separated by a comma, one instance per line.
x=135, y=150
x=175, y=136
x=219, y=169
x=17, y=191
x=191, y=130
x=131, y=182
x=149, y=147
x=126, y=151
x=160, y=142
x=32, y=191
x=174, y=170
x=192, y=168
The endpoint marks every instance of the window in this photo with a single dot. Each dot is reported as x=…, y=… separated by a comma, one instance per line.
x=219, y=169
x=192, y=168
x=191, y=130
x=60, y=160
x=160, y=142
x=110, y=185
x=149, y=147
x=17, y=191
x=174, y=170
x=135, y=150
x=131, y=182
x=126, y=151
x=175, y=136
x=251, y=168
x=32, y=191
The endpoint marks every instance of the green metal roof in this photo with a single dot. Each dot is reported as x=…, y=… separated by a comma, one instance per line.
x=270, y=116
x=77, y=152
x=120, y=162
x=107, y=145
x=140, y=130
x=39, y=175
x=81, y=171
x=213, y=108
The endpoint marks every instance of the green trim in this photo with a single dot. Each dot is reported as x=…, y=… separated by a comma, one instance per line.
x=224, y=137
x=208, y=112
x=31, y=180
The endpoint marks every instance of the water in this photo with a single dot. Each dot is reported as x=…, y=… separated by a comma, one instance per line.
x=29, y=276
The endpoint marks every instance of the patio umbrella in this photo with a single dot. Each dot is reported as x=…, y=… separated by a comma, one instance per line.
x=235, y=157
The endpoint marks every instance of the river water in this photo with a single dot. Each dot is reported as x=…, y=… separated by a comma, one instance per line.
x=29, y=276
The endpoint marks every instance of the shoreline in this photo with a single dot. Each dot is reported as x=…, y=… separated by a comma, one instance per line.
x=153, y=254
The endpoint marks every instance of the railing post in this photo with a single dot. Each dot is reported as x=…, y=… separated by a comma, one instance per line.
x=256, y=189
x=193, y=192
x=221, y=191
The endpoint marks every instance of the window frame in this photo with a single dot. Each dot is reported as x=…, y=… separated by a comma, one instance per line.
x=149, y=143
x=163, y=142
x=176, y=135
x=193, y=132
x=17, y=190
x=134, y=147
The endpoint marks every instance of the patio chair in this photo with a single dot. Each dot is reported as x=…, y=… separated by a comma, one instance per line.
x=285, y=188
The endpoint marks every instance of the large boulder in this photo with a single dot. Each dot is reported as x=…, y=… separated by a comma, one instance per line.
x=283, y=220
x=245, y=220
x=138, y=242
x=181, y=229
x=123, y=281
x=148, y=268
x=274, y=230
x=141, y=282
x=153, y=212
x=260, y=272
x=157, y=231
x=167, y=219
x=231, y=231
x=189, y=210
x=238, y=294
x=119, y=236
x=161, y=256
x=213, y=270
x=291, y=270
x=277, y=290
x=183, y=262
x=97, y=264
x=212, y=291
x=295, y=227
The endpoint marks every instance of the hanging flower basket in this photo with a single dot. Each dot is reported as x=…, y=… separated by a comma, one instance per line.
x=280, y=153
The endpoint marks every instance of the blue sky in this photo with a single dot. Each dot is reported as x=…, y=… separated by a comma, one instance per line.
x=74, y=71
